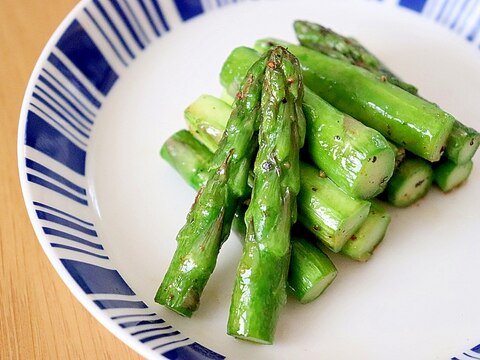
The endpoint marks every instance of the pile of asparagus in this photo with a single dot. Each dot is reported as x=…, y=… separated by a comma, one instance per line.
x=367, y=135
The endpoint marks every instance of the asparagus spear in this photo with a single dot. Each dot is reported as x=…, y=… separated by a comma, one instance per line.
x=448, y=175
x=411, y=181
x=327, y=211
x=361, y=245
x=418, y=125
x=260, y=287
x=310, y=272
x=209, y=220
x=217, y=111
x=188, y=157
x=357, y=158
x=328, y=42
x=463, y=141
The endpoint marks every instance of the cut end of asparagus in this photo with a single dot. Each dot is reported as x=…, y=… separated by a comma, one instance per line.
x=187, y=156
x=217, y=112
x=469, y=149
x=361, y=245
x=375, y=173
x=251, y=339
x=186, y=307
x=311, y=271
x=410, y=182
x=230, y=75
x=328, y=212
x=462, y=143
x=448, y=175
x=318, y=288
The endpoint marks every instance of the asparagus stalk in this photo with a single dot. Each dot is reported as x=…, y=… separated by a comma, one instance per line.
x=462, y=144
x=418, y=125
x=463, y=141
x=310, y=272
x=188, y=157
x=357, y=158
x=217, y=111
x=209, y=220
x=328, y=42
x=361, y=245
x=410, y=182
x=448, y=175
x=260, y=286
x=327, y=211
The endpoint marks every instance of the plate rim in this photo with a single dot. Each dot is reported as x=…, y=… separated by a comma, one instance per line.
x=53, y=258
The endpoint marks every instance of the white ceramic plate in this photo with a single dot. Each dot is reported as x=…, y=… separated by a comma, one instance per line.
x=111, y=86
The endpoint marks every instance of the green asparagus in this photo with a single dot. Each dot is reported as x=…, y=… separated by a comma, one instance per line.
x=328, y=42
x=260, y=287
x=327, y=211
x=410, y=182
x=361, y=245
x=209, y=220
x=399, y=152
x=418, y=125
x=310, y=272
x=188, y=157
x=462, y=144
x=217, y=112
x=448, y=175
x=357, y=158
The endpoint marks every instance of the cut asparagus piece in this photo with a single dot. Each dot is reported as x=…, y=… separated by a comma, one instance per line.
x=328, y=42
x=448, y=175
x=361, y=245
x=260, y=286
x=310, y=271
x=209, y=220
x=330, y=213
x=410, y=182
x=462, y=143
x=357, y=158
x=399, y=152
x=188, y=157
x=418, y=125
x=216, y=109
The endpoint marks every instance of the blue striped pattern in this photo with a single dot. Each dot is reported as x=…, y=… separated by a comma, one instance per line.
x=95, y=279
x=120, y=304
x=461, y=16
x=88, y=59
x=82, y=51
x=193, y=351
x=416, y=5
x=473, y=353
x=189, y=9
x=47, y=139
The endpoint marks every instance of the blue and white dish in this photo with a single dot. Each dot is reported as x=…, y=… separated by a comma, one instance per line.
x=111, y=86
